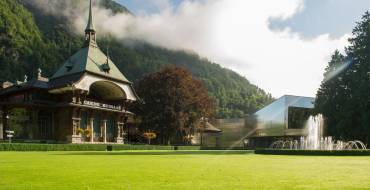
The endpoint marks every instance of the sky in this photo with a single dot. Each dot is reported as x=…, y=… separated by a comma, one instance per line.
x=281, y=46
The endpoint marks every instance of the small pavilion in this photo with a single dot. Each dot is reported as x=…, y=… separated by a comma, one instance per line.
x=85, y=101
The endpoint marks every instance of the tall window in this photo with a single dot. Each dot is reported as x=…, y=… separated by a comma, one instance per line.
x=111, y=129
x=45, y=125
x=97, y=124
x=297, y=117
x=83, y=122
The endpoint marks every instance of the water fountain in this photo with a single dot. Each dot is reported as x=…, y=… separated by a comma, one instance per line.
x=315, y=139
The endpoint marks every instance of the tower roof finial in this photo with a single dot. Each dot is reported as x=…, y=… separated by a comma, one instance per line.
x=90, y=25
x=106, y=67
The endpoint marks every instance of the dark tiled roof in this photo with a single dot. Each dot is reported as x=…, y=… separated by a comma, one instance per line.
x=34, y=83
x=64, y=81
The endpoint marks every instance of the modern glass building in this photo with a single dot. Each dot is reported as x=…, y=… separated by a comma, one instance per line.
x=284, y=118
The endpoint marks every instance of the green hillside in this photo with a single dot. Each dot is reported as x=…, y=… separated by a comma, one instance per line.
x=30, y=39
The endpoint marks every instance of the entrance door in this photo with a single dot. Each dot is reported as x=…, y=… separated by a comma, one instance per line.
x=111, y=129
x=97, y=131
x=83, y=122
x=45, y=126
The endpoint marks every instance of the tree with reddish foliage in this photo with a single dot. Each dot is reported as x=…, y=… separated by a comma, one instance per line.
x=174, y=102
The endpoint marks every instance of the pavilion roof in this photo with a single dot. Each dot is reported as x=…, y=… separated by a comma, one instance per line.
x=90, y=58
x=211, y=129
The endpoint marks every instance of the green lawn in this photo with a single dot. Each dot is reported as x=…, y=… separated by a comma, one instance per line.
x=181, y=170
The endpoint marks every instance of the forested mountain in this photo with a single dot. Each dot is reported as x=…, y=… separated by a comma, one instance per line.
x=30, y=38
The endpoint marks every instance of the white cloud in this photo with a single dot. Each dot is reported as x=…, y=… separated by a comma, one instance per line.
x=236, y=35
x=280, y=62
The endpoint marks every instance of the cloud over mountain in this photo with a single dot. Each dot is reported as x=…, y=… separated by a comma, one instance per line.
x=235, y=34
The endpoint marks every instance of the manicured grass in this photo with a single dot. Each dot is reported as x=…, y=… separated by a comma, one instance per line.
x=180, y=170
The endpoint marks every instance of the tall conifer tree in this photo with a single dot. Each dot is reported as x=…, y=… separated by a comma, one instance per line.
x=344, y=95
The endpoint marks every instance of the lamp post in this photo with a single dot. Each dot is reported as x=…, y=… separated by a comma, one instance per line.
x=202, y=128
x=245, y=143
x=9, y=133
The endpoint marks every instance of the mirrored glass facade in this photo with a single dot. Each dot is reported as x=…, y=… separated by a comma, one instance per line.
x=283, y=118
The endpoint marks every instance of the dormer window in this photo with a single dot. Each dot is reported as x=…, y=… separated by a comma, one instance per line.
x=106, y=67
x=69, y=65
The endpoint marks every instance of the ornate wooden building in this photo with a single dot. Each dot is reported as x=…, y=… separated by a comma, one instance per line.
x=84, y=101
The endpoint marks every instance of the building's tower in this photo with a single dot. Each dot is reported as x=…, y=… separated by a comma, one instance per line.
x=90, y=32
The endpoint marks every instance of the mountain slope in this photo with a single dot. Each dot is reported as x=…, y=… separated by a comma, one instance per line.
x=18, y=36
x=52, y=43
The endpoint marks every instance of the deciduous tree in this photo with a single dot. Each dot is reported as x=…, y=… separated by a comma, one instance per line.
x=174, y=101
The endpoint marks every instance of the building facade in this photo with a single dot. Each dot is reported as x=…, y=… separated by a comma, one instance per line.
x=86, y=100
x=284, y=118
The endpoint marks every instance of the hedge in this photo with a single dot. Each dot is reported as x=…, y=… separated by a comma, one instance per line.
x=188, y=148
x=314, y=152
x=86, y=147
x=223, y=148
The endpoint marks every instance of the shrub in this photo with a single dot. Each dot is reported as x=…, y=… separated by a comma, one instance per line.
x=223, y=148
x=188, y=148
